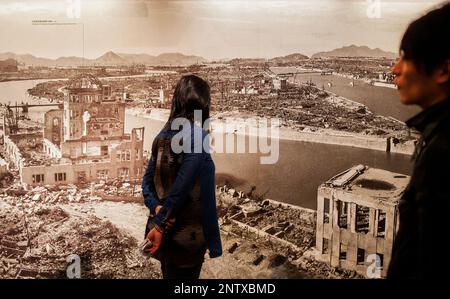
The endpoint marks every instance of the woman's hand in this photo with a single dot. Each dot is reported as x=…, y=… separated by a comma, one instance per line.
x=155, y=237
x=158, y=207
x=170, y=222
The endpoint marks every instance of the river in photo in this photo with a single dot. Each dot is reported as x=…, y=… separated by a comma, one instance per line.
x=380, y=100
x=15, y=92
x=300, y=169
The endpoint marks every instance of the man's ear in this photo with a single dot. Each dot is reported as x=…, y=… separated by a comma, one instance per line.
x=442, y=73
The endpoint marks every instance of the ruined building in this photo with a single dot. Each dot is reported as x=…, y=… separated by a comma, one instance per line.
x=164, y=95
x=357, y=218
x=279, y=84
x=19, y=137
x=85, y=141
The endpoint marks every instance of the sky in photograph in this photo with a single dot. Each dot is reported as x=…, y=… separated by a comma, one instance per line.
x=212, y=29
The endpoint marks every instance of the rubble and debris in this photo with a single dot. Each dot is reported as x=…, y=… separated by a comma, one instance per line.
x=37, y=245
x=6, y=179
x=233, y=247
x=112, y=190
x=266, y=237
x=40, y=235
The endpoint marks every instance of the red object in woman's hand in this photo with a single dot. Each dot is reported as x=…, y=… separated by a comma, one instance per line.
x=155, y=237
x=146, y=246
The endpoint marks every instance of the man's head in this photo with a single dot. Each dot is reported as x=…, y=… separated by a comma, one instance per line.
x=423, y=70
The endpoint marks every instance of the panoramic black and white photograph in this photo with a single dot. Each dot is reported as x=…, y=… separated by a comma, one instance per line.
x=215, y=139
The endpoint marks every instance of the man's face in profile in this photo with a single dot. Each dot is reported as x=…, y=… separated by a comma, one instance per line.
x=409, y=81
x=414, y=85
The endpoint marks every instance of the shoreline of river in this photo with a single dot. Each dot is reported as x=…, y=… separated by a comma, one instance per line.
x=289, y=132
x=236, y=123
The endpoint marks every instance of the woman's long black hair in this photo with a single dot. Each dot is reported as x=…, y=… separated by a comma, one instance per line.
x=191, y=93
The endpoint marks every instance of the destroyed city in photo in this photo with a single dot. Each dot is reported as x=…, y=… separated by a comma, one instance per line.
x=308, y=135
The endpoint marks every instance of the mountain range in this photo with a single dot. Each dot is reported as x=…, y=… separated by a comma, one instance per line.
x=108, y=59
x=356, y=51
x=289, y=58
x=166, y=59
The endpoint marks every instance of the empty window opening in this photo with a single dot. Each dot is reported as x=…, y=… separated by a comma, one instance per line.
x=326, y=246
x=381, y=224
x=342, y=213
x=102, y=174
x=326, y=210
x=362, y=219
x=124, y=173
x=59, y=177
x=137, y=154
x=381, y=260
x=361, y=256
x=104, y=150
x=38, y=178
x=343, y=252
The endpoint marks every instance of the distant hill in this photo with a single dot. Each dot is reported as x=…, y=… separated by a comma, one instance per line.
x=67, y=61
x=138, y=58
x=295, y=57
x=289, y=58
x=25, y=58
x=244, y=61
x=162, y=59
x=110, y=58
x=356, y=51
x=178, y=59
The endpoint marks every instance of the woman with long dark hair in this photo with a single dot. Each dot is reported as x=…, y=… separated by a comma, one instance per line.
x=179, y=187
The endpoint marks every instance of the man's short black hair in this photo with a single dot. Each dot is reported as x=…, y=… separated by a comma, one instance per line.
x=426, y=41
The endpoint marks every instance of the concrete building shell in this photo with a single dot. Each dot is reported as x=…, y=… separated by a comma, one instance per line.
x=84, y=141
x=359, y=219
